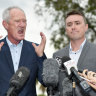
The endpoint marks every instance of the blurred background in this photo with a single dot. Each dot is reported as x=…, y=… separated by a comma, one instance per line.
x=48, y=16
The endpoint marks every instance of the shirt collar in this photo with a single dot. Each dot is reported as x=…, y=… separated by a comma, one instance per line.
x=81, y=46
x=10, y=44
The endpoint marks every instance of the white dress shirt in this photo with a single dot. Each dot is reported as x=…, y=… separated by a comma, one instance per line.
x=15, y=52
x=74, y=55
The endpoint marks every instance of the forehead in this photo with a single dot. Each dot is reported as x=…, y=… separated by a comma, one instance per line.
x=73, y=18
x=17, y=13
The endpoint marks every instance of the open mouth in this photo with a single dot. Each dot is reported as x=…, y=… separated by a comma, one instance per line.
x=21, y=31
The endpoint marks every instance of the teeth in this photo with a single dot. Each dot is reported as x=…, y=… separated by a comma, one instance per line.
x=20, y=31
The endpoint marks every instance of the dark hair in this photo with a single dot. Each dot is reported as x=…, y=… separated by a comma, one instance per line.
x=76, y=12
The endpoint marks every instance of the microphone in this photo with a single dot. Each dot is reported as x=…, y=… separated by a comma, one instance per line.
x=65, y=85
x=50, y=74
x=71, y=68
x=18, y=80
x=61, y=60
x=69, y=65
x=72, y=71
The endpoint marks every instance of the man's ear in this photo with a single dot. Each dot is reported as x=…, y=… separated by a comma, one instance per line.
x=5, y=24
x=86, y=27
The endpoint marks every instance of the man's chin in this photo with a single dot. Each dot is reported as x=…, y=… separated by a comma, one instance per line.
x=21, y=38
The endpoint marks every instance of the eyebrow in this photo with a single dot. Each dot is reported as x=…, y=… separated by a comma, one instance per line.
x=71, y=22
x=74, y=21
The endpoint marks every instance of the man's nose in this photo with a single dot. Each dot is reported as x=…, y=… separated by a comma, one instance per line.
x=73, y=26
x=22, y=24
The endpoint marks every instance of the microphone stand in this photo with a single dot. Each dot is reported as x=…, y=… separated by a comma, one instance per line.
x=50, y=91
x=11, y=92
x=73, y=87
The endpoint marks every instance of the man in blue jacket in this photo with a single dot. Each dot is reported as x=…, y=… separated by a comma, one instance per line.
x=16, y=52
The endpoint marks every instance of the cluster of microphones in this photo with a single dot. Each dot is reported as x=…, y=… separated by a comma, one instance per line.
x=51, y=68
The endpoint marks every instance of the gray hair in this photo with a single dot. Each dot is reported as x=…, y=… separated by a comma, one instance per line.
x=6, y=13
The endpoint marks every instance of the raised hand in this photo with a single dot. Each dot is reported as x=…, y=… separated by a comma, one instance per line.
x=1, y=43
x=40, y=48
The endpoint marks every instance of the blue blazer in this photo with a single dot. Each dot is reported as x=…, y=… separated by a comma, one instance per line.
x=28, y=59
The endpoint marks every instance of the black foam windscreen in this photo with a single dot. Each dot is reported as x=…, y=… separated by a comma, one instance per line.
x=50, y=72
x=20, y=77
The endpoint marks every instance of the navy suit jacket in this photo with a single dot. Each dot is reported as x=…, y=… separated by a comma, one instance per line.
x=28, y=59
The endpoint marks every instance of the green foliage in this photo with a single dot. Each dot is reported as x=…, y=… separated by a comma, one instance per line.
x=42, y=88
x=58, y=10
x=41, y=95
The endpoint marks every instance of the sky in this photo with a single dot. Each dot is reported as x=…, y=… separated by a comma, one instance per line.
x=34, y=24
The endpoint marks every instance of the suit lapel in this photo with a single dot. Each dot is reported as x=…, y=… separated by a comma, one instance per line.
x=24, y=53
x=83, y=53
x=8, y=55
x=67, y=51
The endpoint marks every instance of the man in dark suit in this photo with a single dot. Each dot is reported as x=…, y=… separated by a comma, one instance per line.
x=79, y=49
x=16, y=52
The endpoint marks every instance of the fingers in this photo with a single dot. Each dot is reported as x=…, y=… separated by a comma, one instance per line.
x=40, y=48
x=84, y=73
x=91, y=75
x=43, y=37
x=92, y=85
x=80, y=74
x=1, y=44
x=1, y=36
x=42, y=44
x=34, y=45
